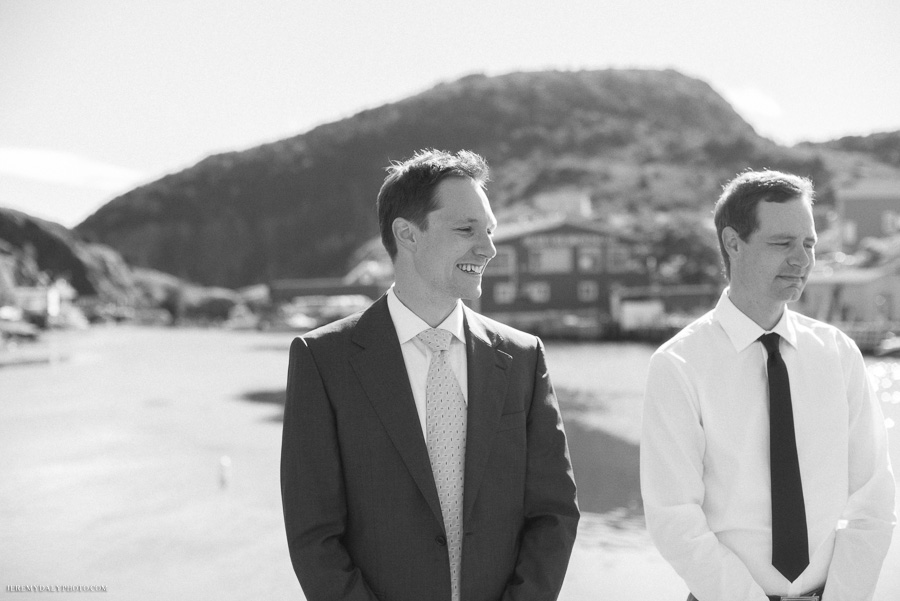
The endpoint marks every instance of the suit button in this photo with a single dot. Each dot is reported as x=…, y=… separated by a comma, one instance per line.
x=441, y=540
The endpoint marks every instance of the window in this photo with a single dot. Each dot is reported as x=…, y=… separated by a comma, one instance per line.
x=550, y=260
x=538, y=292
x=504, y=263
x=588, y=291
x=619, y=258
x=590, y=259
x=504, y=293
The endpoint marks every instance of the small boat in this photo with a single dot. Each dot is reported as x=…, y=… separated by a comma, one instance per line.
x=889, y=345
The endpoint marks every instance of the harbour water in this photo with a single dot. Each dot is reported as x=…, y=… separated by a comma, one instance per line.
x=145, y=460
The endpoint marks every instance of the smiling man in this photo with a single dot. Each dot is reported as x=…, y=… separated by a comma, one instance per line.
x=764, y=463
x=423, y=453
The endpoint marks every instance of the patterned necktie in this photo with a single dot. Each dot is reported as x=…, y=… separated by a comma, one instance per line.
x=445, y=418
x=790, y=554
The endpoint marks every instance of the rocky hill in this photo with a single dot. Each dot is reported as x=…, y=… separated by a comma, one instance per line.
x=35, y=252
x=626, y=140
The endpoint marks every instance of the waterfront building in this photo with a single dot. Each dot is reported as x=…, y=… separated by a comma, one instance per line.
x=869, y=208
x=864, y=301
x=561, y=275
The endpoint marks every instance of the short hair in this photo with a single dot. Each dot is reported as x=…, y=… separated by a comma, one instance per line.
x=740, y=197
x=408, y=190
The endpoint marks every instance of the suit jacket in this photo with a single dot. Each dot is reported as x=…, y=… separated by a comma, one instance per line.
x=361, y=509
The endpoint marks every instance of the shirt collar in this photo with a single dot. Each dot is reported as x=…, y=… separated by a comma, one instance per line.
x=409, y=325
x=743, y=331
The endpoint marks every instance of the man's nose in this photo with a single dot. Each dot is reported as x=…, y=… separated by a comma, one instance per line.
x=486, y=247
x=801, y=256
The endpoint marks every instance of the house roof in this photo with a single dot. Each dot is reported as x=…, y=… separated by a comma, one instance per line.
x=512, y=231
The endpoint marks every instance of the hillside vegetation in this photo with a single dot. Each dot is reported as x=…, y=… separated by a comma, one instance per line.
x=629, y=141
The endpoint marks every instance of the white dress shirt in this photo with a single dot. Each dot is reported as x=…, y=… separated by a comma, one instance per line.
x=417, y=355
x=705, y=459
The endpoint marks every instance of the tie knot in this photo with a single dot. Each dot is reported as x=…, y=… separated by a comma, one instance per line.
x=436, y=339
x=770, y=341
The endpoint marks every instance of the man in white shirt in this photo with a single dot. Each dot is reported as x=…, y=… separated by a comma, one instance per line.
x=423, y=453
x=710, y=453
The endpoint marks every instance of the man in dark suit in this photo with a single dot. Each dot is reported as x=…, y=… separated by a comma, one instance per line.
x=418, y=472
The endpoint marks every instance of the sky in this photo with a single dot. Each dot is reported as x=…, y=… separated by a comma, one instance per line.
x=99, y=96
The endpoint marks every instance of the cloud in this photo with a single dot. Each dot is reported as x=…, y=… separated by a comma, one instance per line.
x=754, y=102
x=54, y=167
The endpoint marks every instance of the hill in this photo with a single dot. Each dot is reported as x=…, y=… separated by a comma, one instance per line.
x=883, y=147
x=627, y=140
x=34, y=252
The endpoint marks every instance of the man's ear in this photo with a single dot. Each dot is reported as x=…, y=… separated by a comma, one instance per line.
x=405, y=233
x=731, y=240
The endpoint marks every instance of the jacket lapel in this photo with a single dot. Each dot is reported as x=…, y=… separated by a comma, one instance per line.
x=487, y=391
x=382, y=374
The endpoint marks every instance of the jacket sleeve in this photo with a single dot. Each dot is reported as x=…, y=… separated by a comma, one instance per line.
x=551, y=510
x=312, y=491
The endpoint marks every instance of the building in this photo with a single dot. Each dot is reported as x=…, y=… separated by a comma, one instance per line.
x=852, y=295
x=863, y=302
x=560, y=275
x=554, y=276
x=285, y=291
x=869, y=209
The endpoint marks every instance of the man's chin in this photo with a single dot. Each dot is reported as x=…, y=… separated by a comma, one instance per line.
x=471, y=293
x=793, y=293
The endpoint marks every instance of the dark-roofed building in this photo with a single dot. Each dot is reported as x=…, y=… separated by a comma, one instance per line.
x=558, y=274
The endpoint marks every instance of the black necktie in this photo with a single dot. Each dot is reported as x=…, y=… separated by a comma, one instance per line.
x=790, y=554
